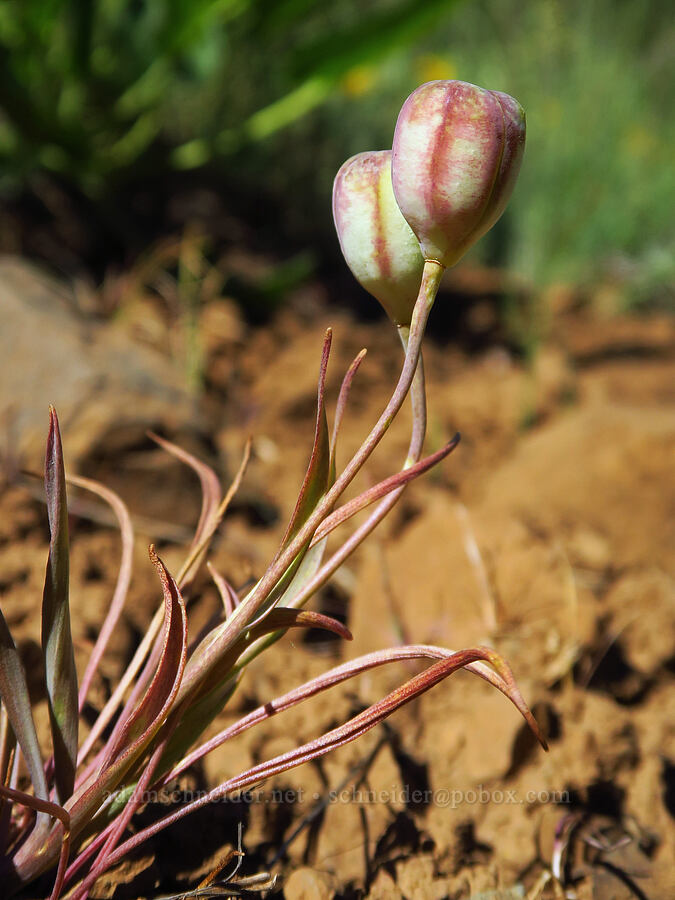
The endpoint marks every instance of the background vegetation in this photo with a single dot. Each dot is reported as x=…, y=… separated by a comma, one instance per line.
x=123, y=120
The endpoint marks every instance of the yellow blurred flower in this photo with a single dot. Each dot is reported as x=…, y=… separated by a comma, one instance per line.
x=432, y=67
x=359, y=80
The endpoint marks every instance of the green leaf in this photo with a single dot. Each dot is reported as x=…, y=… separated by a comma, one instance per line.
x=195, y=717
x=57, y=644
x=276, y=620
x=16, y=700
x=317, y=478
x=221, y=683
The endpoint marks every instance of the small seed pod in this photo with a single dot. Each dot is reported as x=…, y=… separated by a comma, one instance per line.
x=456, y=156
x=377, y=242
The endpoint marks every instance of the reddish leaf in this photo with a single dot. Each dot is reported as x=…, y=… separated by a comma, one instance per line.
x=381, y=490
x=211, y=497
x=143, y=725
x=337, y=737
x=157, y=701
x=228, y=595
x=317, y=477
x=123, y=577
x=341, y=405
x=57, y=644
x=502, y=679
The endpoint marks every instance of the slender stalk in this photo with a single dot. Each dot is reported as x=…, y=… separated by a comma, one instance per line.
x=418, y=398
x=328, y=569
x=431, y=278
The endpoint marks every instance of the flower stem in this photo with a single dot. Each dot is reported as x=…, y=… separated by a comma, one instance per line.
x=431, y=278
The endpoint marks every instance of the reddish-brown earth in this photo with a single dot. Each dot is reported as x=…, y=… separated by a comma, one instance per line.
x=549, y=533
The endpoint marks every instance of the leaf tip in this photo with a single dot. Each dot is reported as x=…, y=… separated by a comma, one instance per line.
x=54, y=434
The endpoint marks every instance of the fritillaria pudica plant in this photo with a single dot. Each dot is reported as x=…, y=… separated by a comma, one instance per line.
x=402, y=217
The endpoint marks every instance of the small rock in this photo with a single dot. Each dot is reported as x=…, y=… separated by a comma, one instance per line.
x=384, y=887
x=308, y=884
x=99, y=379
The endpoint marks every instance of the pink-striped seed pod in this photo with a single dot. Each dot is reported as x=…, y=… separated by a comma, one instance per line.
x=377, y=243
x=456, y=156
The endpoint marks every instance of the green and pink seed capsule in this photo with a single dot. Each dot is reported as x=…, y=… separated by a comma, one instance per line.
x=456, y=156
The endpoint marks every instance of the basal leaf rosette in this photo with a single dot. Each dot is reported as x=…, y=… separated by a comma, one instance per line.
x=456, y=156
x=377, y=243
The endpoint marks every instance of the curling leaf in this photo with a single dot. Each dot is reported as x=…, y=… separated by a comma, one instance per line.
x=210, y=512
x=336, y=737
x=132, y=742
x=151, y=713
x=156, y=703
x=123, y=578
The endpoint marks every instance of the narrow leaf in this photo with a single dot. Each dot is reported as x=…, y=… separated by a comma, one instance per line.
x=151, y=713
x=132, y=742
x=16, y=701
x=341, y=404
x=211, y=493
x=336, y=737
x=150, y=710
x=211, y=497
x=123, y=577
x=57, y=644
x=283, y=618
x=317, y=477
x=228, y=595
x=380, y=490
x=351, y=669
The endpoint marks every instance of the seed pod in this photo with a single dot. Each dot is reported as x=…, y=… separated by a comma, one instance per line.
x=456, y=156
x=377, y=242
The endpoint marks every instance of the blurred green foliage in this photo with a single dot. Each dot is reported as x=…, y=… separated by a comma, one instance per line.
x=597, y=188
x=91, y=87
x=275, y=94
x=596, y=192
